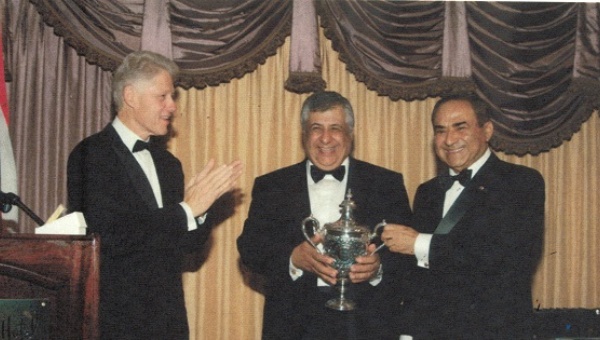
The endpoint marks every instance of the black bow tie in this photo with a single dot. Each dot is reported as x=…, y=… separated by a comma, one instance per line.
x=463, y=178
x=140, y=145
x=318, y=174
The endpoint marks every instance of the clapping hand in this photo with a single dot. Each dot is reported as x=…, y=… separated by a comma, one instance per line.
x=210, y=184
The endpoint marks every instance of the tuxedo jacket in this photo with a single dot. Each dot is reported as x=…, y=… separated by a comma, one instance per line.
x=293, y=309
x=478, y=284
x=142, y=246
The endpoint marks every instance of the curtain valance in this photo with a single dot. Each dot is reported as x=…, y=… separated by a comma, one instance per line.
x=212, y=41
x=536, y=64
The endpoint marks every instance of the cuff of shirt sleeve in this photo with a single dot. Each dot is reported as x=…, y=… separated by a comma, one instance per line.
x=295, y=273
x=422, y=244
x=192, y=222
x=376, y=279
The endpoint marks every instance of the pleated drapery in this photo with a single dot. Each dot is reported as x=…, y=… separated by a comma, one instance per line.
x=530, y=62
x=261, y=127
x=537, y=64
x=57, y=97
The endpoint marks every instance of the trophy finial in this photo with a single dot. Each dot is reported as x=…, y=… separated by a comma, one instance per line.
x=347, y=206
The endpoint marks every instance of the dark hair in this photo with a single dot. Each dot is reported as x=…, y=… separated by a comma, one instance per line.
x=479, y=106
x=323, y=101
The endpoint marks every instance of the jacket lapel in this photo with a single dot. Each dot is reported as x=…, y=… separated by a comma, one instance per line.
x=473, y=192
x=298, y=188
x=463, y=203
x=132, y=168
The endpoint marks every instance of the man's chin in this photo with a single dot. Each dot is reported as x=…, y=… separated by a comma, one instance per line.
x=327, y=166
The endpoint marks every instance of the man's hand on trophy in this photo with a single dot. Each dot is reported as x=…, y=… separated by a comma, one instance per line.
x=307, y=258
x=365, y=266
x=399, y=238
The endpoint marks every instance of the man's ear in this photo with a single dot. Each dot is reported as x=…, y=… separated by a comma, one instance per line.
x=488, y=129
x=130, y=96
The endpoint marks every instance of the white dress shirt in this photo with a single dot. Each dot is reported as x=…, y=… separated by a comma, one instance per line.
x=423, y=241
x=325, y=199
x=144, y=158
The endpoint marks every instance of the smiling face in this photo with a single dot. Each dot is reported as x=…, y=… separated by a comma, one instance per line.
x=149, y=105
x=327, y=138
x=459, y=139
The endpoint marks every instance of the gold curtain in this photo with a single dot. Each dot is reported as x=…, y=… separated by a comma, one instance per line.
x=255, y=120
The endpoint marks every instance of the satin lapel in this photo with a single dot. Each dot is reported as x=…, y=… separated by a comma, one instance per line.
x=438, y=203
x=353, y=183
x=170, y=177
x=463, y=203
x=135, y=173
x=360, y=181
x=298, y=189
x=428, y=207
x=474, y=192
x=356, y=182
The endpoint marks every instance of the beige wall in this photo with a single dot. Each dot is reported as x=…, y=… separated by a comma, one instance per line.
x=254, y=119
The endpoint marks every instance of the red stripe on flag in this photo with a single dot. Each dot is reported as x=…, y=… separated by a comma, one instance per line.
x=3, y=98
x=8, y=169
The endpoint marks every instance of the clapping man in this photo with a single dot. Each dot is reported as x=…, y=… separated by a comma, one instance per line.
x=132, y=195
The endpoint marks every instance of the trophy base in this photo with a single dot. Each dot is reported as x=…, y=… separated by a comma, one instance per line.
x=341, y=304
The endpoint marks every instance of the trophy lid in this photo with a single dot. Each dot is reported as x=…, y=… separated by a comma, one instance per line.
x=346, y=223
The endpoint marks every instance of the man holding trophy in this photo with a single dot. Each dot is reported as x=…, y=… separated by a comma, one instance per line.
x=301, y=278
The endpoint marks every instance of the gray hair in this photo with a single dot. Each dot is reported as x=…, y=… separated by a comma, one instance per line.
x=323, y=101
x=139, y=66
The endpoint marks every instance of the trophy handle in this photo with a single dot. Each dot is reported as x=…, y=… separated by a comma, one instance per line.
x=315, y=226
x=377, y=227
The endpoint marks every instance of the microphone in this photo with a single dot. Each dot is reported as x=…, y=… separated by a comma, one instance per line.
x=7, y=200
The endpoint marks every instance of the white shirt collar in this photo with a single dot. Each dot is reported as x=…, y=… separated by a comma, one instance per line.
x=127, y=136
x=477, y=164
x=345, y=163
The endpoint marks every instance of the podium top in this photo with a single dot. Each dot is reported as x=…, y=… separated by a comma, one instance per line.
x=42, y=237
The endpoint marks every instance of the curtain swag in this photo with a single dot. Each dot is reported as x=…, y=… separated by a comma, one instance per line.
x=536, y=64
x=212, y=41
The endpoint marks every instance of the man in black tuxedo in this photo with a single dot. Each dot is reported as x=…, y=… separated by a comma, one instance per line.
x=475, y=240
x=299, y=280
x=132, y=195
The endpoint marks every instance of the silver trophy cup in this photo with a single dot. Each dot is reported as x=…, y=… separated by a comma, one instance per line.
x=344, y=241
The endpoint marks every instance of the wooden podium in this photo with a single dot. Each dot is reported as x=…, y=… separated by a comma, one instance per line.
x=49, y=286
